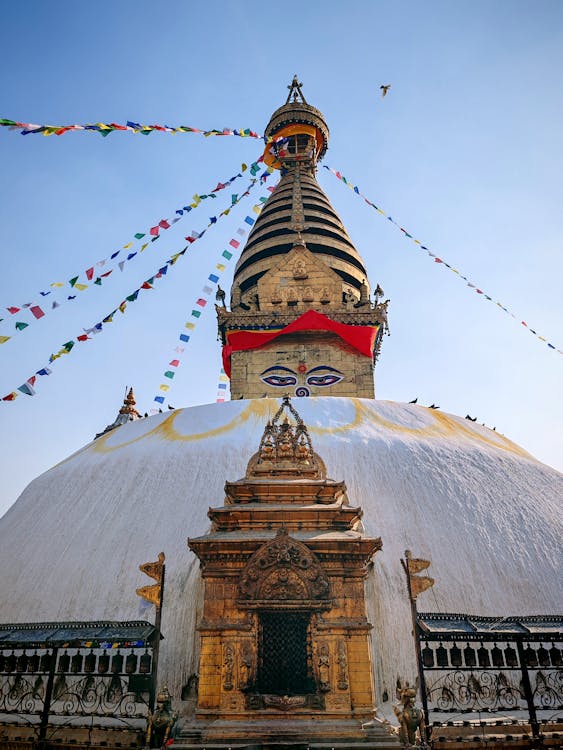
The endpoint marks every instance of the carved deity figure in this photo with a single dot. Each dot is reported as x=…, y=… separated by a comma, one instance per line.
x=324, y=668
x=228, y=667
x=410, y=717
x=161, y=722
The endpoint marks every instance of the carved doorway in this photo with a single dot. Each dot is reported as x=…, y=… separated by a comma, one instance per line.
x=284, y=654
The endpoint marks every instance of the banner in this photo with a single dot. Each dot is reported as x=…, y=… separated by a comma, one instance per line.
x=211, y=285
x=222, y=386
x=440, y=261
x=362, y=338
x=105, y=128
x=152, y=234
x=28, y=387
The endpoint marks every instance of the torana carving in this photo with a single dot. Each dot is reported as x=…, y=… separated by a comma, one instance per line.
x=283, y=569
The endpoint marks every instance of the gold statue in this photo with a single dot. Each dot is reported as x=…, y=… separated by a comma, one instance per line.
x=161, y=722
x=410, y=717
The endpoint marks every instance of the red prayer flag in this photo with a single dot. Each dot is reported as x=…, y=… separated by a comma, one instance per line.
x=201, y=302
x=174, y=362
x=89, y=274
x=234, y=243
x=437, y=260
x=146, y=285
x=154, y=231
x=32, y=380
x=82, y=337
x=37, y=311
x=164, y=224
x=13, y=310
x=107, y=273
x=9, y=397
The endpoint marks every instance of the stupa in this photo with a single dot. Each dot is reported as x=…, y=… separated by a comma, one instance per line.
x=302, y=322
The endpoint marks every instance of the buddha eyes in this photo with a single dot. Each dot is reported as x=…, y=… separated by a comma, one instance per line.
x=318, y=377
x=323, y=380
x=280, y=380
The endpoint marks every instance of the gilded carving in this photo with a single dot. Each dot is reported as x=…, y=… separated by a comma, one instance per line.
x=342, y=666
x=246, y=663
x=324, y=668
x=283, y=569
x=228, y=666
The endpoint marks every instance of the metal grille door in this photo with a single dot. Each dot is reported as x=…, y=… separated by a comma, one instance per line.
x=283, y=661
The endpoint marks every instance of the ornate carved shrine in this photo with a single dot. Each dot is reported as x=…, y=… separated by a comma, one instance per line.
x=284, y=632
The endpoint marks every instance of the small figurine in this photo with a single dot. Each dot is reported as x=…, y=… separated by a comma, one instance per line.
x=161, y=722
x=410, y=717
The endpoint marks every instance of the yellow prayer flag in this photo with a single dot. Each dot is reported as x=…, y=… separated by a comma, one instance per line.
x=57, y=283
x=220, y=267
x=256, y=209
x=3, y=339
x=191, y=326
x=81, y=287
x=122, y=307
x=164, y=387
x=143, y=247
x=417, y=242
x=127, y=246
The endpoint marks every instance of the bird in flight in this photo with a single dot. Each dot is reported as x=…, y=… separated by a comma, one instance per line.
x=384, y=89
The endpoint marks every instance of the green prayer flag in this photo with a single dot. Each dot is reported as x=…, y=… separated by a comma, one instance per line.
x=169, y=374
x=98, y=281
x=139, y=236
x=196, y=313
x=72, y=282
x=20, y=326
x=68, y=346
x=226, y=254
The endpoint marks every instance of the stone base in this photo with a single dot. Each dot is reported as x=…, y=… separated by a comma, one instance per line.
x=287, y=732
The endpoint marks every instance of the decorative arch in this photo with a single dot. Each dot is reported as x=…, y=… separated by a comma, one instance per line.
x=283, y=572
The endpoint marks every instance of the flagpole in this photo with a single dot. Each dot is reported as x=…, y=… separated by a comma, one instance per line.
x=414, y=619
x=156, y=649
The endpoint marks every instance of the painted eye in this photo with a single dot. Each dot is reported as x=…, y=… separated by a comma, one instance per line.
x=324, y=380
x=281, y=381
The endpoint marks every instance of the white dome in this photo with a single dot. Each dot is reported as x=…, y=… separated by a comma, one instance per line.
x=483, y=510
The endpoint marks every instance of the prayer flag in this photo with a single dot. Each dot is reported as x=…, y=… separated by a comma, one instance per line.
x=20, y=326
x=160, y=399
x=212, y=277
x=83, y=337
x=36, y=311
x=81, y=287
x=201, y=302
x=146, y=285
x=207, y=289
x=3, y=339
x=164, y=224
x=57, y=283
x=190, y=326
x=10, y=396
x=127, y=246
x=164, y=387
x=133, y=297
x=139, y=235
x=73, y=281
x=183, y=337
x=154, y=230
x=121, y=264
x=44, y=371
x=174, y=362
x=131, y=255
x=220, y=267
x=249, y=220
x=234, y=243
x=226, y=254
x=169, y=374
x=90, y=273
x=196, y=313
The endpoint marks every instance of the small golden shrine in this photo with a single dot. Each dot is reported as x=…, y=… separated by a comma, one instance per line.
x=285, y=645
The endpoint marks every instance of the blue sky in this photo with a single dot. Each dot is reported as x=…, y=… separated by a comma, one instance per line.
x=465, y=152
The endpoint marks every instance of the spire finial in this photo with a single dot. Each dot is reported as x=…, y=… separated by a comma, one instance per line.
x=295, y=91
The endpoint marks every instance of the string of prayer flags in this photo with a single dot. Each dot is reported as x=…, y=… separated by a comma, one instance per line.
x=105, y=128
x=440, y=261
x=89, y=333
x=222, y=387
x=203, y=297
x=95, y=269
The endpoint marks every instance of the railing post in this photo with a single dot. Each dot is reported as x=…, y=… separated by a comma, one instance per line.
x=528, y=694
x=44, y=721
